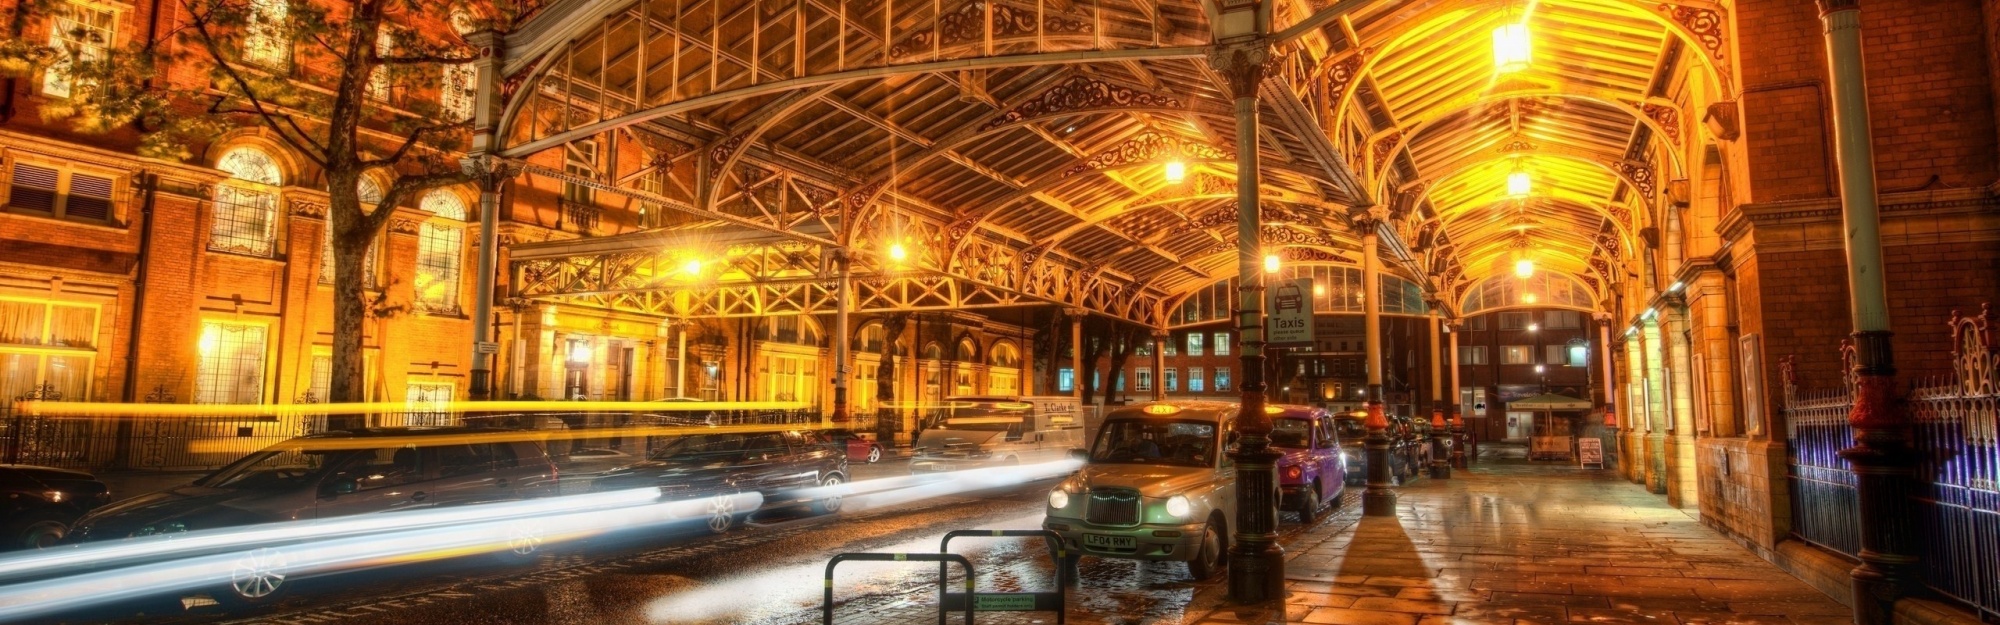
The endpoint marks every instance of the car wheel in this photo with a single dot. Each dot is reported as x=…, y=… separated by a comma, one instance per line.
x=35, y=530
x=1214, y=554
x=258, y=577
x=829, y=504
x=874, y=454
x=524, y=543
x=1309, y=504
x=721, y=513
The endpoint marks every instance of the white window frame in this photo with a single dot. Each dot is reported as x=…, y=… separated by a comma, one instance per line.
x=1171, y=378
x=1195, y=380
x=94, y=44
x=1142, y=379
x=65, y=190
x=1222, y=380
x=241, y=199
x=211, y=362
x=1194, y=341
x=264, y=41
x=1221, y=347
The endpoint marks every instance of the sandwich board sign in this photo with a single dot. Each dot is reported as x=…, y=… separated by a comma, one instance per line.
x=1590, y=450
x=1289, y=313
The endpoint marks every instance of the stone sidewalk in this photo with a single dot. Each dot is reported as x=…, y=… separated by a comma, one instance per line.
x=1510, y=542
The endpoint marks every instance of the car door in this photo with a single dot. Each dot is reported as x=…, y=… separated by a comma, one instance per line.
x=387, y=479
x=813, y=456
x=1326, y=455
x=765, y=464
x=475, y=473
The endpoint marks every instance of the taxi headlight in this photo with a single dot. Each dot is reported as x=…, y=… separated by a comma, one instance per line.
x=1058, y=499
x=1178, y=506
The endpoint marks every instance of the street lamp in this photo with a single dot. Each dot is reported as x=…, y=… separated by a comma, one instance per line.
x=1270, y=263
x=897, y=253
x=1524, y=267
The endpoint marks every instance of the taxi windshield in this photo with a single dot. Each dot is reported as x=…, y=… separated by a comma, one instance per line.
x=1292, y=433
x=1156, y=441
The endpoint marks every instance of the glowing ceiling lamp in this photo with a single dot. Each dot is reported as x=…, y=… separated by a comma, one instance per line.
x=691, y=267
x=1528, y=298
x=1270, y=263
x=1520, y=184
x=1513, y=48
x=897, y=253
x=1176, y=172
x=1524, y=268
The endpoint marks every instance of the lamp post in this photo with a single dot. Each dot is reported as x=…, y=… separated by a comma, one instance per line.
x=1380, y=497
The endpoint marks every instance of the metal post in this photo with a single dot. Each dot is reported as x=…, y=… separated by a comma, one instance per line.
x=1440, y=451
x=1604, y=356
x=842, y=361
x=681, y=358
x=1160, y=365
x=1881, y=456
x=1380, y=497
x=1076, y=354
x=1458, y=456
x=1256, y=562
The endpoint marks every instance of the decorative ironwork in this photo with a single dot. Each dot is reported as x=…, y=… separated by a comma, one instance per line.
x=1707, y=26
x=1975, y=357
x=1313, y=255
x=301, y=208
x=1079, y=94
x=1668, y=117
x=968, y=24
x=1518, y=145
x=1383, y=147
x=1147, y=146
x=1343, y=74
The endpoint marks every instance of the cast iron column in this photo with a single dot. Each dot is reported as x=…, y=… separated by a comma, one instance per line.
x=1380, y=497
x=1256, y=562
x=1458, y=457
x=1881, y=456
x=1440, y=450
x=1160, y=365
x=490, y=173
x=1076, y=353
x=842, y=359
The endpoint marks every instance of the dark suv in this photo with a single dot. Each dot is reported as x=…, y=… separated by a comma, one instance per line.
x=785, y=468
x=332, y=475
x=37, y=504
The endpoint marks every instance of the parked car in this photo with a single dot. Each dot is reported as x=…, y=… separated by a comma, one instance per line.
x=38, y=504
x=1311, y=471
x=859, y=447
x=784, y=467
x=1156, y=485
x=328, y=475
x=998, y=431
x=1410, y=446
x=1351, y=430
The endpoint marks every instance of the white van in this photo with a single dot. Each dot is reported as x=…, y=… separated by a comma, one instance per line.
x=981, y=431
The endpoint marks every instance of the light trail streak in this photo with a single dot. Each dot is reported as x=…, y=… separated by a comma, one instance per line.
x=62, y=409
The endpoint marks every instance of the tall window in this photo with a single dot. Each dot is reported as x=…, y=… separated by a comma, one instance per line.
x=428, y=403
x=440, y=248
x=265, y=41
x=1172, y=379
x=1517, y=355
x=1221, y=345
x=1194, y=349
x=1221, y=379
x=1579, y=355
x=1003, y=373
x=1066, y=380
x=81, y=32
x=1553, y=354
x=231, y=370
x=459, y=91
x=1514, y=320
x=371, y=194
x=580, y=160
x=1143, y=379
x=1565, y=319
x=246, y=204
x=378, y=76
x=1195, y=379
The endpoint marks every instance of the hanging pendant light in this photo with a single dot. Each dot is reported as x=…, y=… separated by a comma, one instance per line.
x=1524, y=268
x=1176, y=172
x=1520, y=184
x=1513, y=47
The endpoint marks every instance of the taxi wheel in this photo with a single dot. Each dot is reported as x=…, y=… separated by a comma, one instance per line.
x=1214, y=554
x=1309, y=504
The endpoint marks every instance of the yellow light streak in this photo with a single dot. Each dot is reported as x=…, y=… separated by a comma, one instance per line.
x=61, y=409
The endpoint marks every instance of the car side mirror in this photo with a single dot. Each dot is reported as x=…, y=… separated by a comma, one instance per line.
x=342, y=486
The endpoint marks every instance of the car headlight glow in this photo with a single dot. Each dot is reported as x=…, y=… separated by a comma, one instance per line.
x=1178, y=506
x=1058, y=499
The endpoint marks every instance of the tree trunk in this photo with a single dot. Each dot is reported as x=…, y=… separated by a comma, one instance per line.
x=351, y=238
x=1096, y=338
x=1128, y=337
x=885, y=381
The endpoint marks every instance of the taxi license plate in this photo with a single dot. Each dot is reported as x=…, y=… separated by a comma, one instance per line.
x=1111, y=542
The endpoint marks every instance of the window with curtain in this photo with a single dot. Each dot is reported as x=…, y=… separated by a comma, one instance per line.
x=82, y=30
x=428, y=403
x=28, y=329
x=266, y=42
x=231, y=367
x=246, y=204
x=440, y=253
x=1517, y=355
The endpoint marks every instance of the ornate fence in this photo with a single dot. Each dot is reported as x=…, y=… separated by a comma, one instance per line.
x=1956, y=435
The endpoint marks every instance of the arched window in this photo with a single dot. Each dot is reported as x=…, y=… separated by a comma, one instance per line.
x=786, y=368
x=1545, y=288
x=967, y=351
x=440, y=248
x=871, y=339
x=1004, y=355
x=1003, y=374
x=933, y=351
x=792, y=329
x=246, y=204
x=371, y=195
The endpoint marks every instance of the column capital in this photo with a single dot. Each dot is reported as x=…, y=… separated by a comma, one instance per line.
x=488, y=171
x=1830, y=6
x=1603, y=318
x=1075, y=313
x=1162, y=335
x=1242, y=64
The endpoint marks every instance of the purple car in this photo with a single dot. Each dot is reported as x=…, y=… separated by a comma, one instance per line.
x=1312, y=470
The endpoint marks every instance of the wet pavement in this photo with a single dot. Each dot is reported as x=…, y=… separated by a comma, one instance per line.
x=1508, y=542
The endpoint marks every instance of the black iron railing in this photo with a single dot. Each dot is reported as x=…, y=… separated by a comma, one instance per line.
x=1956, y=436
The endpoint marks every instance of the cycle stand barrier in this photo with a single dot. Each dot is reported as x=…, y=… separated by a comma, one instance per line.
x=972, y=601
x=826, y=604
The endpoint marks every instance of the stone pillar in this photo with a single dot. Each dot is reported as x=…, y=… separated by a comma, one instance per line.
x=490, y=174
x=1458, y=456
x=1075, y=353
x=1380, y=497
x=1682, y=483
x=1633, y=426
x=1256, y=562
x=1881, y=456
x=1657, y=415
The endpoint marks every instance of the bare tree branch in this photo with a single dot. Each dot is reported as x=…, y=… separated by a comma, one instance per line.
x=423, y=59
x=407, y=187
x=410, y=141
x=310, y=148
